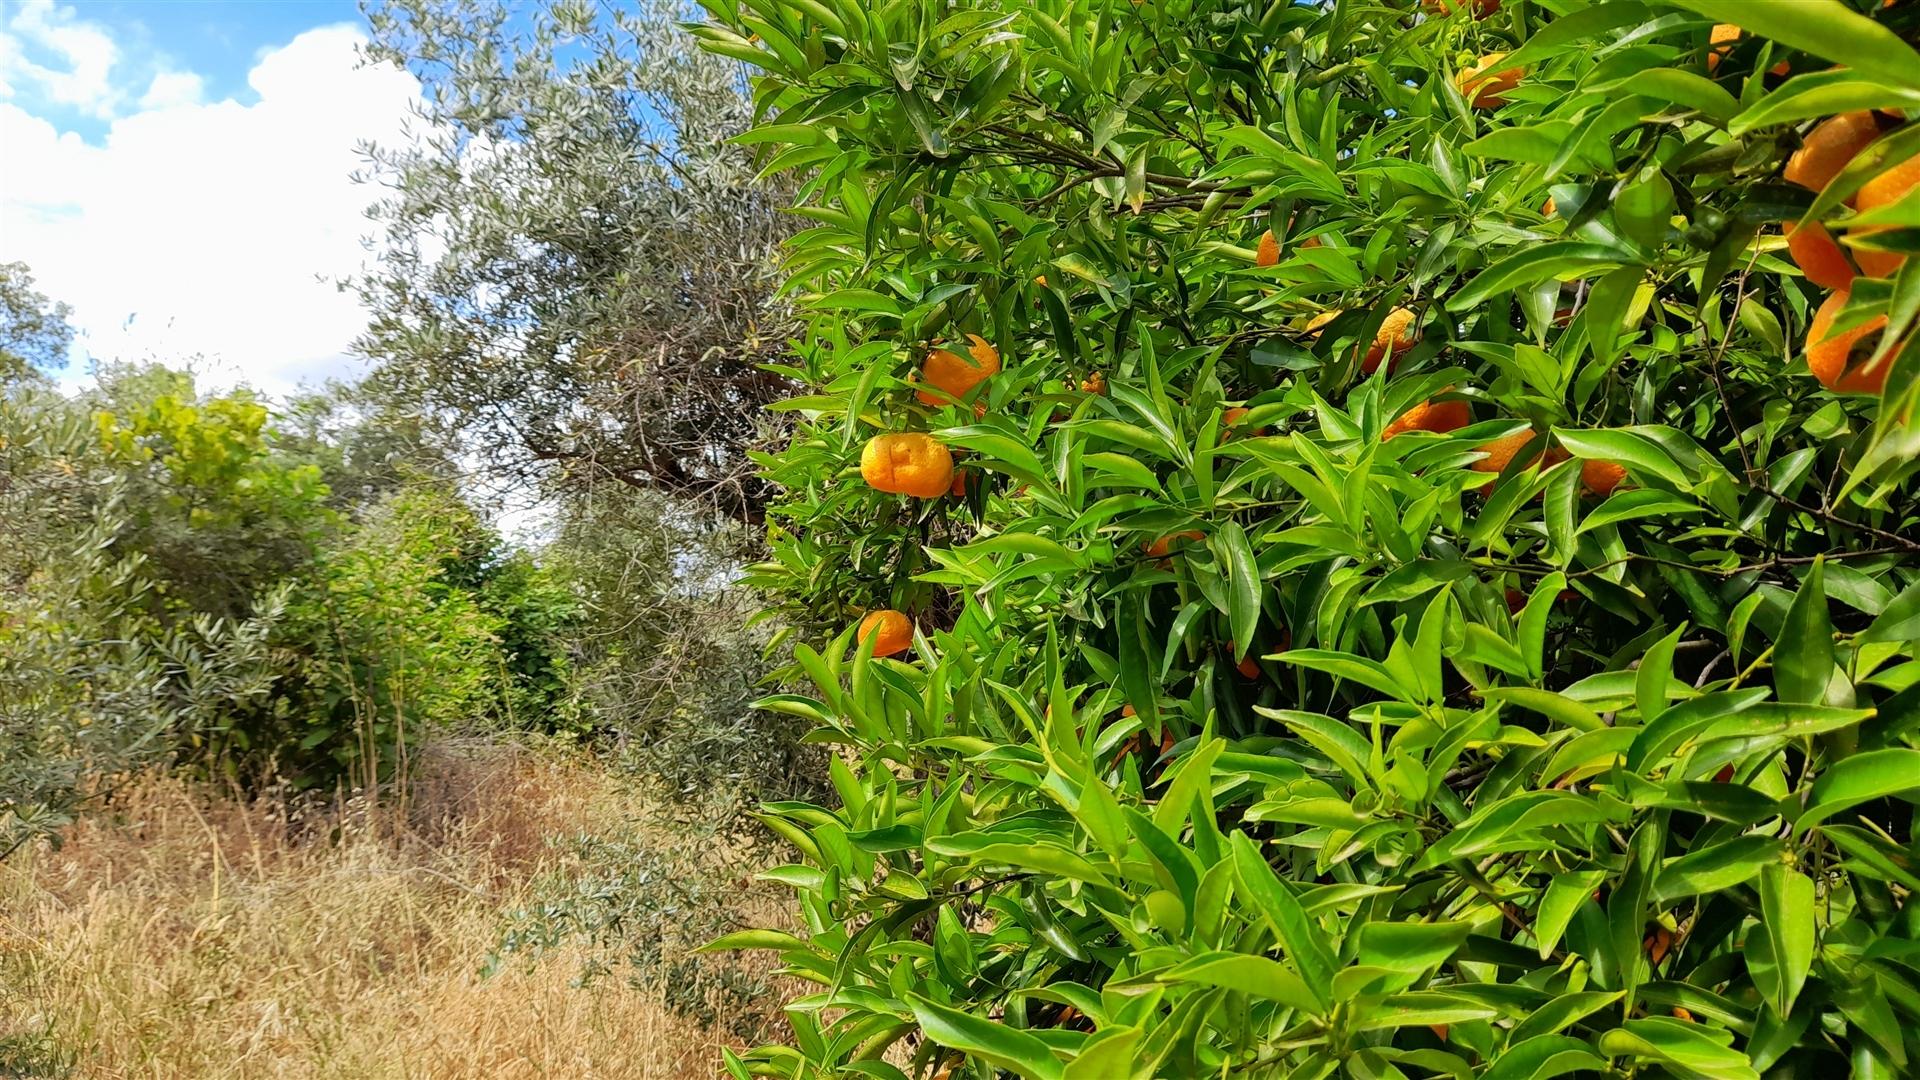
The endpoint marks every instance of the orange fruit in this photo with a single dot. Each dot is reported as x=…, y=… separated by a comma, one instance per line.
x=1658, y=944
x=1601, y=477
x=958, y=375
x=1248, y=666
x=1823, y=153
x=1395, y=336
x=1814, y=251
x=907, y=463
x=1834, y=358
x=1159, y=548
x=1889, y=187
x=1722, y=39
x=1095, y=383
x=1127, y=711
x=1269, y=251
x=1431, y=416
x=959, y=489
x=1231, y=419
x=1040, y=280
x=1828, y=147
x=1484, y=87
x=1547, y=208
x=891, y=631
x=1500, y=452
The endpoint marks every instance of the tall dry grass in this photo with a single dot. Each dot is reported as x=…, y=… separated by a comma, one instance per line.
x=183, y=935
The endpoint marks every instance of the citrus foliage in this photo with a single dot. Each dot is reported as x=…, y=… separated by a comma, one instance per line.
x=1570, y=728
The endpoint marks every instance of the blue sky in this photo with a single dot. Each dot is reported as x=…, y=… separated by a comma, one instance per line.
x=180, y=172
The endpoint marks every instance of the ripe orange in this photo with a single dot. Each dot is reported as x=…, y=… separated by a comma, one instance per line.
x=1722, y=39
x=1127, y=711
x=958, y=375
x=907, y=463
x=1231, y=419
x=1395, y=336
x=1601, y=477
x=1095, y=383
x=891, y=630
x=1814, y=251
x=1547, y=208
x=1159, y=548
x=1248, y=666
x=1500, y=452
x=1431, y=416
x=1834, y=358
x=1658, y=944
x=1269, y=250
x=1828, y=147
x=1484, y=87
x=1889, y=187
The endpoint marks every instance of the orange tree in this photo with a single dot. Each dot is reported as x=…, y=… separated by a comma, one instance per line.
x=1411, y=603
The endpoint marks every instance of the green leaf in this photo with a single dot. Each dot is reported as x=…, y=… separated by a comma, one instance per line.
x=1876, y=774
x=1296, y=933
x=1803, y=656
x=1683, y=88
x=1107, y=1056
x=754, y=939
x=1821, y=94
x=1716, y=868
x=1642, y=208
x=1542, y=262
x=1825, y=28
x=1243, y=584
x=1040, y=858
x=1692, y=1049
x=1256, y=975
x=1559, y=708
x=1562, y=897
x=1899, y=621
x=996, y=1044
x=1410, y=947
x=1543, y=1057
x=1786, y=918
x=1629, y=448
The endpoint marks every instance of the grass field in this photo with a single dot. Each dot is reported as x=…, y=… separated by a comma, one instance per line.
x=182, y=935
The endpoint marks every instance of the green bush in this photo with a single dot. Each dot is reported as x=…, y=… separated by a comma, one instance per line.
x=382, y=649
x=94, y=679
x=179, y=581
x=1245, y=734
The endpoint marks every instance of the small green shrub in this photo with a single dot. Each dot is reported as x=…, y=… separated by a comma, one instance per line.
x=640, y=906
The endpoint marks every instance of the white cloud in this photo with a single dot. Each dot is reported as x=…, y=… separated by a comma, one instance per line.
x=173, y=88
x=211, y=230
x=78, y=58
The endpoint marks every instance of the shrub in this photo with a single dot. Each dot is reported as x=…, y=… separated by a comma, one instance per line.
x=94, y=681
x=1579, y=737
x=383, y=649
x=178, y=579
x=665, y=654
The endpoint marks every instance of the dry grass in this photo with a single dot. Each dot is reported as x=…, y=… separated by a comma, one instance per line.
x=184, y=936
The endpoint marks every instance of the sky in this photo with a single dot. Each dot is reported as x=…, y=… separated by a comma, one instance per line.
x=180, y=172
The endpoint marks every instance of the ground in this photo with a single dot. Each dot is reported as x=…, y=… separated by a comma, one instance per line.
x=183, y=934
